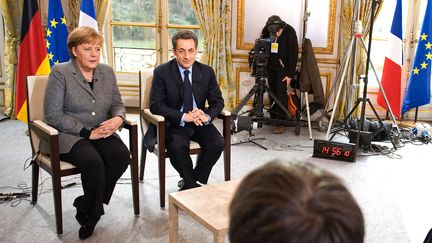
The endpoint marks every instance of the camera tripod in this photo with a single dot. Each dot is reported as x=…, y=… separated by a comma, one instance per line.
x=350, y=57
x=257, y=111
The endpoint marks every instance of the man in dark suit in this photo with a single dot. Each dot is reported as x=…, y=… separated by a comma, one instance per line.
x=180, y=90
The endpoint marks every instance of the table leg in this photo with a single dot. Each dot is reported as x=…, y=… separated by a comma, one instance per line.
x=173, y=222
x=218, y=237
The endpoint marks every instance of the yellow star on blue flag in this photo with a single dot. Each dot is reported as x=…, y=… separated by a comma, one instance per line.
x=418, y=89
x=57, y=33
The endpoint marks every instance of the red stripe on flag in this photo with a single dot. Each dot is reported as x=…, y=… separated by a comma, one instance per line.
x=31, y=53
x=391, y=83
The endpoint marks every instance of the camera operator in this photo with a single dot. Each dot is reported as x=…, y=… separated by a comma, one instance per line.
x=282, y=63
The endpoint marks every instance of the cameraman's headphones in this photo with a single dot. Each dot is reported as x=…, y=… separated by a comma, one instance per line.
x=275, y=25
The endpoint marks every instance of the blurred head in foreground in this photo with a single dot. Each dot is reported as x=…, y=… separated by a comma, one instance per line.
x=288, y=202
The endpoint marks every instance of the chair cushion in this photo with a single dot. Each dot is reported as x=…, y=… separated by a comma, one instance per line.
x=193, y=145
x=46, y=160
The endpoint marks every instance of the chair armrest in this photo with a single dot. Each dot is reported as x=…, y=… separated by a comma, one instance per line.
x=224, y=114
x=129, y=123
x=44, y=128
x=49, y=134
x=132, y=126
x=152, y=118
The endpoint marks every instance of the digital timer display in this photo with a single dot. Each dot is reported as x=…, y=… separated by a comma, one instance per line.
x=334, y=150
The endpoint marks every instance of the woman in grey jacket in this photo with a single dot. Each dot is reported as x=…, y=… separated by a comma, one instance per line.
x=83, y=102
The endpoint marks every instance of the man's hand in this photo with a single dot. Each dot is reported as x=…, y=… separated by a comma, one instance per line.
x=197, y=116
x=287, y=80
x=106, y=128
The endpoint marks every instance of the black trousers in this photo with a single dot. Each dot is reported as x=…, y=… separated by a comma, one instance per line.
x=177, y=143
x=279, y=89
x=101, y=162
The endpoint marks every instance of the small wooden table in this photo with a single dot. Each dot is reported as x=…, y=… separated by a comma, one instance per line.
x=208, y=205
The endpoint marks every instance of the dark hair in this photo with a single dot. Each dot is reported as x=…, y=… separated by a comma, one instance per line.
x=186, y=35
x=294, y=203
x=81, y=35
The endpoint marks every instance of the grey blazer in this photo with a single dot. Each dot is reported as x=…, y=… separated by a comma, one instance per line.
x=70, y=104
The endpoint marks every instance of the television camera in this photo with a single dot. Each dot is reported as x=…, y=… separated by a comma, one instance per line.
x=258, y=59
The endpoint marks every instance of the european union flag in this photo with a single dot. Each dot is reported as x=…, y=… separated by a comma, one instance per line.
x=418, y=90
x=56, y=36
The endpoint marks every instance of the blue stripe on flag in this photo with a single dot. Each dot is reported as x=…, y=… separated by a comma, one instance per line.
x=88, y=14
x=87, y=6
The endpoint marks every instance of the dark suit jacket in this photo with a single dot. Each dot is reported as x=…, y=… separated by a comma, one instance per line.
x=70, y=104
x=287, y=51
x=166, y=95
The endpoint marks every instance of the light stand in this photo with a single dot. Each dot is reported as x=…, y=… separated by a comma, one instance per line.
x=349, y=57
x=306, y=15
x=364, y=98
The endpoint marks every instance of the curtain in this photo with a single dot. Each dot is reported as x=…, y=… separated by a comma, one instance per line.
x=11, y=10
x=101, y=8
x=214, y=20
x=361, y=55
x=71, y=9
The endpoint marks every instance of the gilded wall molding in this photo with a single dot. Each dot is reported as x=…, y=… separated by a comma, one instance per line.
x=241, y=44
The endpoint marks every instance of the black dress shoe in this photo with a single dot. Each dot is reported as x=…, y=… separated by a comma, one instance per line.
x=187, y=186
x=181, y=183
x=85, y=232
x=80, y=215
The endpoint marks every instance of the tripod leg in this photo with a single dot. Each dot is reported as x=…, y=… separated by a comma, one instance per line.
x=308, y=114
x=245, y=99
x=273, y=96
x=339, y=73
x=338, y=93
x=381, y=89
x=251, y=140
x=258, y=144
x=357, y=103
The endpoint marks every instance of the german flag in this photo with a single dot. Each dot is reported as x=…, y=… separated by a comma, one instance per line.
x=32, y=54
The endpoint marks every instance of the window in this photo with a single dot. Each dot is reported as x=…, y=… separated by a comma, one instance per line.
x=141, y=31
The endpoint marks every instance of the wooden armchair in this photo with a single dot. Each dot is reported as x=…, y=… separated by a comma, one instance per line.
x=50, y=162
x=148, y=118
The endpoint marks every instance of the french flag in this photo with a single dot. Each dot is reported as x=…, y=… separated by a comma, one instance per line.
x=87, y=15
x=391, y=80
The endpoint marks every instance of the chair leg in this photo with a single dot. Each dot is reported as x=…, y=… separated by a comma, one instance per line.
x=133, y=143
x=57, y=203
x=135, y=185
x=227, y=147
x=35, y=181
x=143, y=159
x=227, y=162
x=162, y=180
